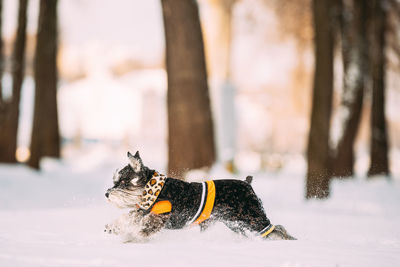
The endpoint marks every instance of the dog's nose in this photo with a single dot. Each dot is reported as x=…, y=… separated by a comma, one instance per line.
x=107, y=194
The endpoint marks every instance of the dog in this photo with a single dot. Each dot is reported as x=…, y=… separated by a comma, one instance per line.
x=158, y=202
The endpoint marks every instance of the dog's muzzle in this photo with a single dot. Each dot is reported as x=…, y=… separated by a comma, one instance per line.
x=123, y=198
x=107, y=194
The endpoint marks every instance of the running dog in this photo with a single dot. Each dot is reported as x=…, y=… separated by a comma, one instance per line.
x=159, y=202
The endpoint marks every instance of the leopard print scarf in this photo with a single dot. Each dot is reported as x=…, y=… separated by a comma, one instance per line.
x=151, y=190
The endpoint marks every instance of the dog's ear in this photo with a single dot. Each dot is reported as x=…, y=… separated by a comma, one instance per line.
x=137, y=155
x=135, y=161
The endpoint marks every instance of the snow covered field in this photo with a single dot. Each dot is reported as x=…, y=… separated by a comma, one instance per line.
x=56, y=218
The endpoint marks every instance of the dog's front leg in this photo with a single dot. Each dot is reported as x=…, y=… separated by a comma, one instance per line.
x=124, y=223
x=152, y=223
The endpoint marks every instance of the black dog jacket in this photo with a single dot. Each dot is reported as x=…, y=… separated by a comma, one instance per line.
x=231, y=201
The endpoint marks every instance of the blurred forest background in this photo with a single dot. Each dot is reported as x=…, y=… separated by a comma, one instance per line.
x=251, y=84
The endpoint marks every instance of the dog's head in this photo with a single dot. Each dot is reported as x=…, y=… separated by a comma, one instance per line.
x=129, y=183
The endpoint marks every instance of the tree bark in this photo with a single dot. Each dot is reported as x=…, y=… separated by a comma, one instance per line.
x=355, y=65
x=45, y=140
x=190, y=126
x=10, y=109
x=379, y=164
x=1, y=55
x=318, y=172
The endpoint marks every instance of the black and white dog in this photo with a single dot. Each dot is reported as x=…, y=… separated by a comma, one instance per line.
x=159, y=202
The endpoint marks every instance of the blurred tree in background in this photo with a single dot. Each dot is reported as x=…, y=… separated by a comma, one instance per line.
x=295, y=19
x=379, y=145
x=45, y=139
x=218, y=42
x=318, y=172
x=355, y=58
x=190, y=126
x=360, y=27
x=1, y=56
x=9, y=113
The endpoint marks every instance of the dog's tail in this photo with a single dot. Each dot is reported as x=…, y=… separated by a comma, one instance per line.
x=249, y=179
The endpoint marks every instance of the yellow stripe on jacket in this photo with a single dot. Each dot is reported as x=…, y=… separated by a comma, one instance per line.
x=209, y=205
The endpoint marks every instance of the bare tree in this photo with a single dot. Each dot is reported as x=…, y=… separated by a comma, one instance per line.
x=45, y=139
x=355, y=65
x=9, y=116
x=1, y=55
x=318, y=171
x=190, y=126
x=379, y=144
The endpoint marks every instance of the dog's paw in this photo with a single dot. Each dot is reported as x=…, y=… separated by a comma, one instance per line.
x=112, y=229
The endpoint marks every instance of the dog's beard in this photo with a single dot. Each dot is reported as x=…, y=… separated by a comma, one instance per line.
x=125, y=198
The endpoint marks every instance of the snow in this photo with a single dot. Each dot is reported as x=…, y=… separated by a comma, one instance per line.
x=56, y=218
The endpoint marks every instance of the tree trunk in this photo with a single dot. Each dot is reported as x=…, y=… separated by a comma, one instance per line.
x=10, y=113
x=355, y=65
x=190, y=126
x=218, y=57
x=318, y=172
x=45, y=134
x=1, y=56
x=379, y=145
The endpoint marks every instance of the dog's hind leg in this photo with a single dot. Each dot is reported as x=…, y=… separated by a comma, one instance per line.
x=280, y=233
x=205, y=225
x=236, y=227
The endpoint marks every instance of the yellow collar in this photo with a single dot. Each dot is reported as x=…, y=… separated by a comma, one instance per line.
x=267, y=230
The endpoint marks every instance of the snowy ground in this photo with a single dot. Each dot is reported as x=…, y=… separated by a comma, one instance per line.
x=56, y=218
